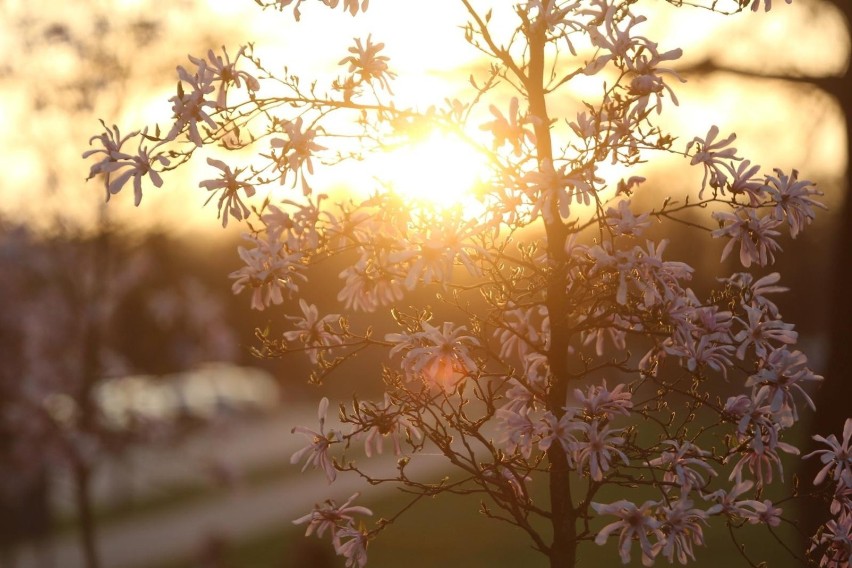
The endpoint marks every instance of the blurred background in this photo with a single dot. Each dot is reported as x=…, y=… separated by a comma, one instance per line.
x=136, y=426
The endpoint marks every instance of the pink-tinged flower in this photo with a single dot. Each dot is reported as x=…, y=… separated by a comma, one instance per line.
x=759, y=331
x=747, y=411
x=313, y=331
x=706, y=350
x=729, y=503
x=837, y=458
x=327, y=516
x=509, y=130
x=755, y=235
x=190, y=106
x=385, y=421
x=519, y=396
x=368, y=286
x=352, y=545
x=743, y=182
x=430, y=255
x=516, y=431
x=269, y=270
x=759, y=459
x=366, y=62
x=793, y=200
x=111, y=142
x=684, y=465
x=318, y=447
x=223, y=70
x=754, y=291
x=600, y=402
x=783, y=373
x=606, y=325
x=622, y=221
x=598, y=450
x=648, y=85
x=119, y=167
x=835, y=541
x=712, y=155
x=842, y=500
x=561, y=430
x=523, y=331
x=766, y=514
x=683, y=526
x=296, y=152
x=634, y=523
x=230, y=202
x=441, y=356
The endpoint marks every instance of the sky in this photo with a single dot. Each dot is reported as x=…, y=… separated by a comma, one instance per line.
x=126, y=82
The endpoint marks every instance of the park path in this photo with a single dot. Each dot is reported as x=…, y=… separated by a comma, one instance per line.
x=153, y=538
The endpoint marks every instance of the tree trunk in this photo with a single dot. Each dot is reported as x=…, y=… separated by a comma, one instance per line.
x=833, y=398
x=85, y=514
x=563, y=549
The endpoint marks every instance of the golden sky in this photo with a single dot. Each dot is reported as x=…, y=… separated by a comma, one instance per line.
x=47, y=129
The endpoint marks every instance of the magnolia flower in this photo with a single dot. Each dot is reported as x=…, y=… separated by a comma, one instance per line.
x=598, y=450
x=366, y=286
x=622, y=221
x=600, y=402
x=516, y=431
x=386, y=421
x=230, y=201
x=793, y=200
x=836, y=542
x=215, y=68
x=189, y=107
x=269, y=270
x=711, y=154
x=760, y=331
x=440, y=355
x=837, y=458
x=682, y=526
x=754, y=291
x=742, y=181
x=318, y=447
x=684, y=465
x=728, y=502
x=509, y=129
x=354, y=550
x=634, y=523
x=296, y=152
x=523, y=331
x=312, y=331
x=111, y=142
x=561, y=430
x=755, y=235
x=329, y=517
x=759, y=459
x=366, y=62
x=121, y=167
x=766, y=514
x=783, y=373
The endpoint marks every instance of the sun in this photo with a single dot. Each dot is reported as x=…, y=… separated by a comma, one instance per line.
x=439, y=170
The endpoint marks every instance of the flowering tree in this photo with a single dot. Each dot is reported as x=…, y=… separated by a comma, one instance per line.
x=570, y=352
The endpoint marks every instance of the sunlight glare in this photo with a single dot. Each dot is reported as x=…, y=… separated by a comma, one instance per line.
x=441, y=170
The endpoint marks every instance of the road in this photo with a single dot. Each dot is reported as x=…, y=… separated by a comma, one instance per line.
x=153, y=538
